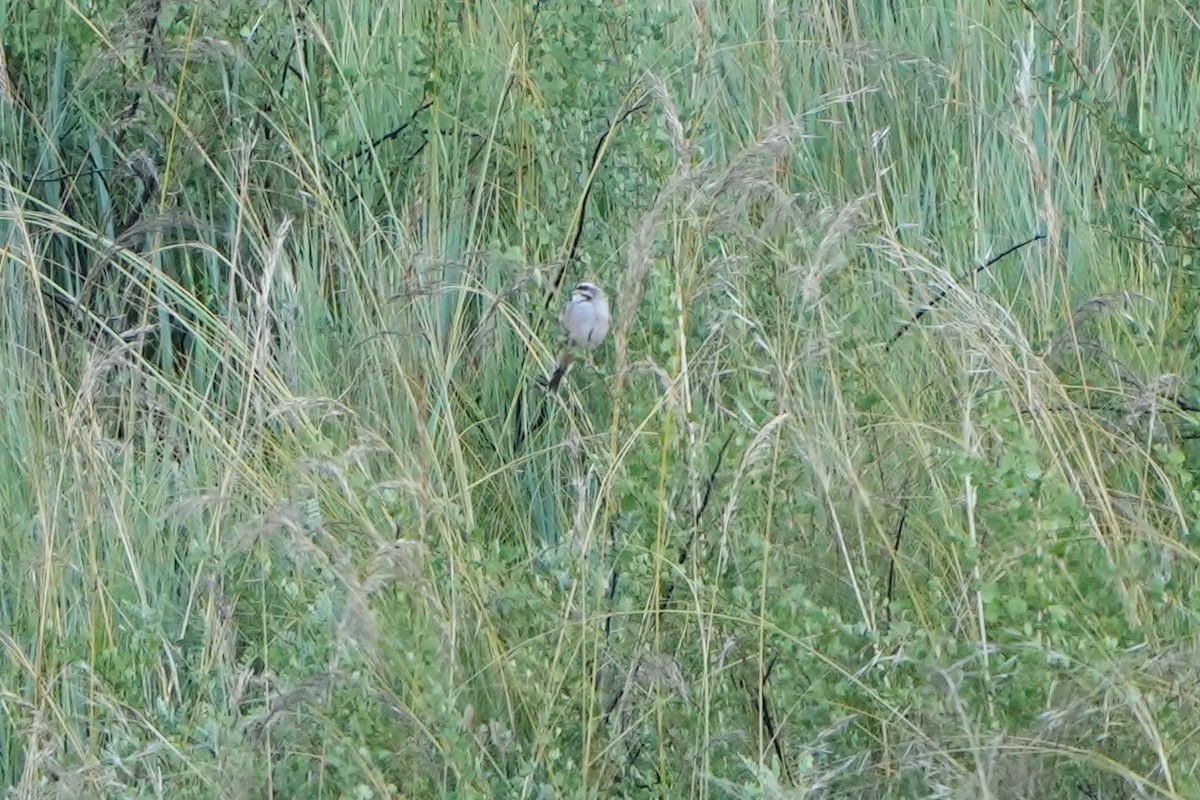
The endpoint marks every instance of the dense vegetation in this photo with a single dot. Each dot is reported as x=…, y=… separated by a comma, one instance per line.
x=843, y=508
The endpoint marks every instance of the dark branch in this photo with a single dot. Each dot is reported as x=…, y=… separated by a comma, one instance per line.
x=942, y=292
x=556, y=285
x=686, y=549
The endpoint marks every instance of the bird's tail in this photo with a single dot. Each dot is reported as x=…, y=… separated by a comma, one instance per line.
x=560, y=370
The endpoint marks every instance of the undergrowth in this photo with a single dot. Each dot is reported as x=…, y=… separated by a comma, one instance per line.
x=845, y=507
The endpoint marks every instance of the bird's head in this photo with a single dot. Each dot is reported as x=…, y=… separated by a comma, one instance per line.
x=586, y=292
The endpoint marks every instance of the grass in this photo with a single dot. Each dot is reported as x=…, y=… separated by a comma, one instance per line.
x=284, y=510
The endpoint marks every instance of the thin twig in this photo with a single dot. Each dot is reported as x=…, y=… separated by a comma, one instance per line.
x=921, y=312
x=556, y=284
x=686, y=549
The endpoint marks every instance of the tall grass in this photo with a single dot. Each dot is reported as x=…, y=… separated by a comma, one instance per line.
x=286, y=511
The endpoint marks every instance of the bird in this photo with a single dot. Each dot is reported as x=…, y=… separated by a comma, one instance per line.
x=585, y=318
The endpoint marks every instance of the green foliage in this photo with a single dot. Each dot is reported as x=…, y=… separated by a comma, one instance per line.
x=284, y=510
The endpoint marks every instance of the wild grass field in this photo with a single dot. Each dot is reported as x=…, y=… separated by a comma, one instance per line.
x=850, y=503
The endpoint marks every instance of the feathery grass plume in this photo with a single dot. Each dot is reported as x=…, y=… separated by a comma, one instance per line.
x=632, y=288
x=1149, y=399
x=1075, y=351
x=283, y=550
x=654, y=671
x=1091, y=310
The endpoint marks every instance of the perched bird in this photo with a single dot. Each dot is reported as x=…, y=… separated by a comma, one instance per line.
x=585, y=319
